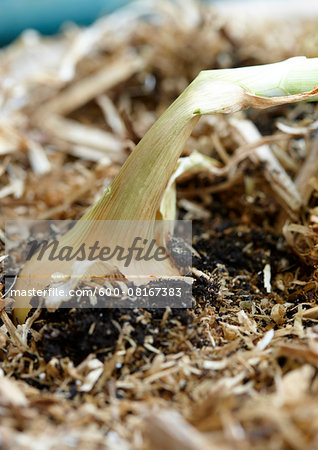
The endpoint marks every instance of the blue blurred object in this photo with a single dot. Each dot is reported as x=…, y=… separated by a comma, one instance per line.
x=46, y=16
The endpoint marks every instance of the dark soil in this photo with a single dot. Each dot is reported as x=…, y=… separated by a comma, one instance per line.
x=76, y=333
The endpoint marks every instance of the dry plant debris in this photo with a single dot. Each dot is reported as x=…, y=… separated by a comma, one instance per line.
x=239, y=370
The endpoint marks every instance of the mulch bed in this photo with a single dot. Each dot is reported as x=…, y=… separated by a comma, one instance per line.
x=239, y=369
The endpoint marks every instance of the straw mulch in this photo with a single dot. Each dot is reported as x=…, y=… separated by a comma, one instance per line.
x=239, y=370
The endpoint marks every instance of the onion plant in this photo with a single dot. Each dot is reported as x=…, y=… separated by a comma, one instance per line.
x=137, y=190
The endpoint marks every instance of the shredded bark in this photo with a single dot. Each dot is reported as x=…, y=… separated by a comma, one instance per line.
x=239, y=369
